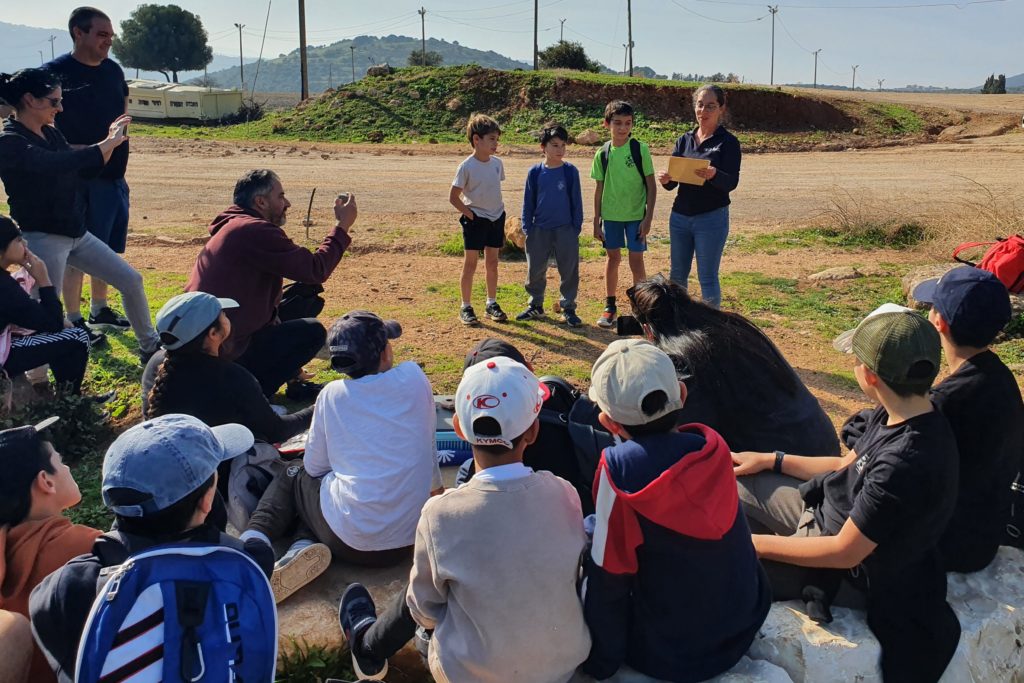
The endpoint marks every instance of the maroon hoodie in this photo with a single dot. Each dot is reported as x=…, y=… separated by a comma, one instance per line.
x=247, y=259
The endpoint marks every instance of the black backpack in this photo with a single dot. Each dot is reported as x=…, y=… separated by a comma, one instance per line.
x=634, y=150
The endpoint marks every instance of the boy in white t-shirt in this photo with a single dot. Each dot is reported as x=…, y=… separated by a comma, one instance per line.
x=476, y=193
x=370, y=462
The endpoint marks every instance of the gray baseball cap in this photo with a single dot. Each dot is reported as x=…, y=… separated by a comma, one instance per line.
x=165, y=459
x=184, y=317
x=624, y=375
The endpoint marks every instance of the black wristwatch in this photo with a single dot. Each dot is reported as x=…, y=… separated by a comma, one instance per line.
x=777, y=467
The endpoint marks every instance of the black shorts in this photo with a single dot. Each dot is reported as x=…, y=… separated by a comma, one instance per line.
x=481, y=232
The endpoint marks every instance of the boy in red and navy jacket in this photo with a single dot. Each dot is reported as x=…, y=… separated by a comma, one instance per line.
x=673, y=586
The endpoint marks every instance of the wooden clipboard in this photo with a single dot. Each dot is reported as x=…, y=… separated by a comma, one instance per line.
x=681, y=169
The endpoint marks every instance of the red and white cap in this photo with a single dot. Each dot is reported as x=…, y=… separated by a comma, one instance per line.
x=502, y=389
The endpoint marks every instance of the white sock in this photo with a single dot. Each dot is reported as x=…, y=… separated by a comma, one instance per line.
x=491, y=301
x=465, y=304
x=253, y=533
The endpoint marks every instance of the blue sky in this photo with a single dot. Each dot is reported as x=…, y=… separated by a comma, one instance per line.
x=901, y=41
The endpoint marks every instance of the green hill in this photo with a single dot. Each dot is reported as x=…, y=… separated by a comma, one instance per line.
x=332, y=65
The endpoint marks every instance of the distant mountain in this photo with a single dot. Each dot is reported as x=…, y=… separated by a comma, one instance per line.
x=333, y=65
x=1013, y=84
x=22, y=44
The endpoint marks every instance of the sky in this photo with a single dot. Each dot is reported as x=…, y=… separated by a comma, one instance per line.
x=904, y=42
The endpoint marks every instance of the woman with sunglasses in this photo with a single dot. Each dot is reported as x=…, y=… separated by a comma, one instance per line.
x=42, y=176
x=737, y=381
x=699, y=222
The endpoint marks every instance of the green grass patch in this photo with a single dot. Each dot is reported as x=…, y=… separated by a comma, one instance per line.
x=896, y=119
x=304, y=663
x=1011, y=351
x=863, y=236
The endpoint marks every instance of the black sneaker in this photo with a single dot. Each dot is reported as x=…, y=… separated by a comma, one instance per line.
x=495, y=313
x=356, y=613
x=468, y=317
x=531, y=313
x=95, y=338
x=570, y=317
x=301, y=390
x=108, y=317
x=144, y=356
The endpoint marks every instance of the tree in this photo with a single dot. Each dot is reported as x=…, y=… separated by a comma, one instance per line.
x=428, y=58
x=163, y=38
x=566, y=55
x=1001, y=85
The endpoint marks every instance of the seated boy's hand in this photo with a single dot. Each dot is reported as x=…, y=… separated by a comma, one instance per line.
x=345, y=211
x=598, y=231
x=750, y=462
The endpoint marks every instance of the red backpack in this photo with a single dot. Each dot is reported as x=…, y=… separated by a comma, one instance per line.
x=1005, y=260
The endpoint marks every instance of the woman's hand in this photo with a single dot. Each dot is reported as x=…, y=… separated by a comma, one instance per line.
x=663, y=178
x=118, y=129
x=37, y=269
x=706, y=173
x=749, y=462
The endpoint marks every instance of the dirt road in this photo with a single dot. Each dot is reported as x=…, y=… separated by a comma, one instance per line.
x=994, y=104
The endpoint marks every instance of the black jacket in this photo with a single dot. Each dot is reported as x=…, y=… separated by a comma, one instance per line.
x=60, y=605
x=18, y=308
x=42, y=181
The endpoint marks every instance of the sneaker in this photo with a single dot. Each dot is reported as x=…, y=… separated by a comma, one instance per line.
x=495, y=313
x=468, y=317
x=298, y=567
x=108, y=317
x=532, y=312
x=570, y=317
x=95, y=338
x=356, y=612
x=607, y=318
x=144, y=356
x=301, y=390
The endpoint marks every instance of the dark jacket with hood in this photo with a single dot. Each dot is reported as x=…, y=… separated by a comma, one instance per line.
x=673, y=585
x=247, y=259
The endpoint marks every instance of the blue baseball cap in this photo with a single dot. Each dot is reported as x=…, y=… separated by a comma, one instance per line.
x=164, y=459
x=184, y=317
x=974, y=302
x=357, y=339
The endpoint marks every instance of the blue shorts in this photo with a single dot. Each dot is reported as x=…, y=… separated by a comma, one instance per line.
x=619, y=234
x=107, y=213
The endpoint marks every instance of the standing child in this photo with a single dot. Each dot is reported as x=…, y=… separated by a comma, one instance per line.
x=476, y=193
x=552, y=220
x=623, y=201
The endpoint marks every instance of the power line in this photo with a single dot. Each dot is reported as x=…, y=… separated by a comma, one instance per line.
x=957, y=5
x=593, y=40
x=495, y=30
x=719, y=21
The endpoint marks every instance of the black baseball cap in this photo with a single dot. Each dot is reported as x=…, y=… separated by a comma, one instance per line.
x=357, y=339
x=490, y=347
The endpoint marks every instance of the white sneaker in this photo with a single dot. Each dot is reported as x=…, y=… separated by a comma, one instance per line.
x=295, y=570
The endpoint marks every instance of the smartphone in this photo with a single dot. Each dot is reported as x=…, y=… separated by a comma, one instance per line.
x=344, y=197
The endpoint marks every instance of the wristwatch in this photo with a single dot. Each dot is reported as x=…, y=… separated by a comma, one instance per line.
x=777, y=467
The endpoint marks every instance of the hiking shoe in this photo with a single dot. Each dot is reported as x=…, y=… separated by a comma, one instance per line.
x=95, y=338
x=356, y=612
x=108, y=317
x=570, y=317
x=495, y=313
x=531, y=313
x=607, y=319
x=468, y=317
x=301, y=390
x=298, y=567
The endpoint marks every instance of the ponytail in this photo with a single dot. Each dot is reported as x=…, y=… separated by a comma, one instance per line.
x=36, y=82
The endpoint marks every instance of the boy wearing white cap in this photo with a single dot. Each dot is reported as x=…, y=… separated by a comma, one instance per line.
x=496, y=560
x=674, y=589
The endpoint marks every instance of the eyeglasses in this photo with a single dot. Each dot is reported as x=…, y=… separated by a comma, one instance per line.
x=700, y=106
x=54, y=101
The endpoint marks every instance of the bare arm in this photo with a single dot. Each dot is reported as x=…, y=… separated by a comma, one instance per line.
x=598, y=193
x=652, y=198
x=455, y=197
x=799, y=466
x=844, y=551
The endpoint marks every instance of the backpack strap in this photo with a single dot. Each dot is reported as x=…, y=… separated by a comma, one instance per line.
x=191, y=599
x=605, y=150
x=638, y=160
x=969, y=245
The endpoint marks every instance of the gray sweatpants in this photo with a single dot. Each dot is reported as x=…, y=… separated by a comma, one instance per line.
x=565, y=243
x=91, y=256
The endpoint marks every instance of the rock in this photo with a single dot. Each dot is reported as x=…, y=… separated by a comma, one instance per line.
x=373, y=92
x=952, y=132
x=414, y=94
x=837, y=273
x=454, y=104
x=395, y=102
x=384, y=69
x=514, y=232
x=918, y=275
x=588, y=137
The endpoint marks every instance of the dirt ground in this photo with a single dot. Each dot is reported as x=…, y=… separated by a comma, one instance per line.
x=1010, y=103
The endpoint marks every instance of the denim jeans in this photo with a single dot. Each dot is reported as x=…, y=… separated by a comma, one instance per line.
x=703, y=235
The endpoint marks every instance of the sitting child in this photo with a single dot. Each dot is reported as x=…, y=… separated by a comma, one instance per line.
x=35, y=539
x=370, y=463
x=159, y=480
x=674, y=589
x=497, y=560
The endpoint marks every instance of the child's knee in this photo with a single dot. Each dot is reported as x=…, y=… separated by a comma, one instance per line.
x=614, y=256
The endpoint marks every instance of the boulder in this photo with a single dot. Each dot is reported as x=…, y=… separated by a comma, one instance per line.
x=588, y=137
x=454, y=104
x=384, y=69
x=837, y=273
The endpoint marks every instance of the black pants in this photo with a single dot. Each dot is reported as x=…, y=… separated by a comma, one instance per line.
x=394, y=628
x=277, y=352
x=66, y=352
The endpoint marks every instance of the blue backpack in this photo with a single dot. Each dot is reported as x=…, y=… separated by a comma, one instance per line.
x=183, y=612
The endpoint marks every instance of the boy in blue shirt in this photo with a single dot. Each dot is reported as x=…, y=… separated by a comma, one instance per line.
x=552, y=220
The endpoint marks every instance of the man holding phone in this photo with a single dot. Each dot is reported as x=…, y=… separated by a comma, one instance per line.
x=247, y=258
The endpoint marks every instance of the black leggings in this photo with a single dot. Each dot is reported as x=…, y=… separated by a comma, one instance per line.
x=66, y=352
x=276, y=353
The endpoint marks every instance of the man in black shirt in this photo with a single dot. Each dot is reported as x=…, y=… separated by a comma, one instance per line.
x=94, y=94
x=877, y=512
x=982, y=402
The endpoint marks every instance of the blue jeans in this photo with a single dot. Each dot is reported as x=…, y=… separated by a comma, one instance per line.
x=703, y=235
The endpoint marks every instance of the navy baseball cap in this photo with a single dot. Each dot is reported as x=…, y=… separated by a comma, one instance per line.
x=164, y=459
x=184, y=317
x=357, y=339
x=974, y=302
x=489, y=348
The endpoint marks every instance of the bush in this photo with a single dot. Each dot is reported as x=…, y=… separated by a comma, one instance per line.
x=566, y=55
x=251, y=110
x=429, y=58
x=81, y=430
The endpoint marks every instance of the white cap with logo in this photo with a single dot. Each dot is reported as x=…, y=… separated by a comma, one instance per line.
x=502, y=389
x=626, y=373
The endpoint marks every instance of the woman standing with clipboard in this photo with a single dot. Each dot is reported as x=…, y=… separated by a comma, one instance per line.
x=699, y=222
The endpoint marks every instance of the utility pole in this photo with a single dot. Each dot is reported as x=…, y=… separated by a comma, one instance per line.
x=774, y=10
x=629, y=24
x=303, y=65
x=561, y=31
x=536, y=47
x=853, y=85
x=816, y=67
x=241, y=62
x=422, y=11
x=353, y=48
x=625, y=57
x=41, y=60
x=880, y=82
x=51, y=39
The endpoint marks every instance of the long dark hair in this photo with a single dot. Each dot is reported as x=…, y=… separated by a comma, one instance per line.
x=192, y=352
x=36, y=82
x=706, y=343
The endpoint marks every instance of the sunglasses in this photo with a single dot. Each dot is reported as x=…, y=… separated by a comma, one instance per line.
x=54, y=101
